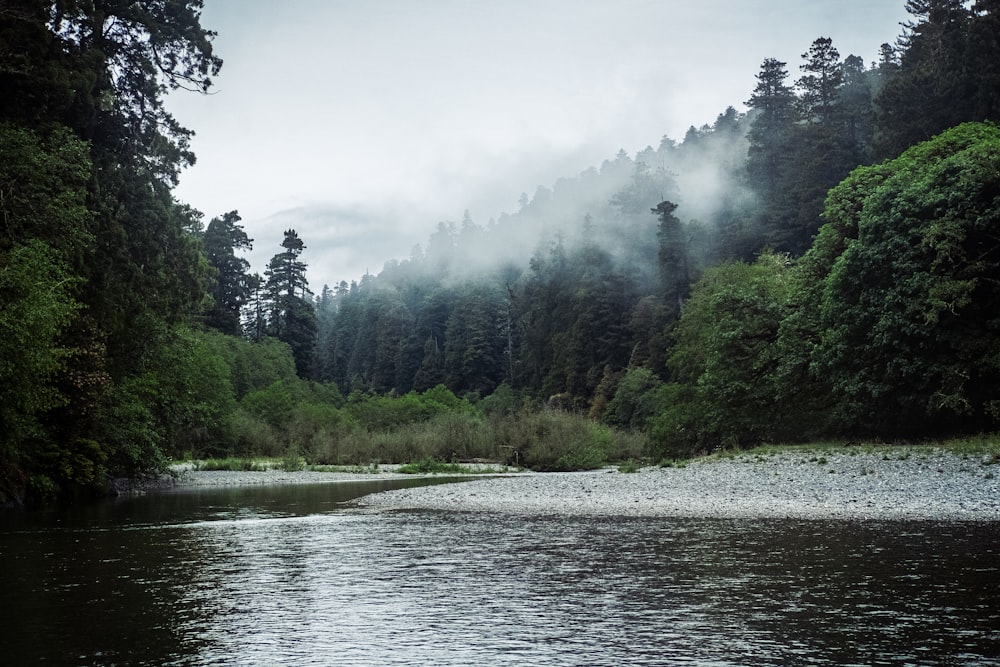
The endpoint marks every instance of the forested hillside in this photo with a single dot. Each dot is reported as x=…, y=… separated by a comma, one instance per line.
x=585, y=284
x=825, y=264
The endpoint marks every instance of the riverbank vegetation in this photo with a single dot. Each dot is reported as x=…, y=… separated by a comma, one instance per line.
x=825, y=265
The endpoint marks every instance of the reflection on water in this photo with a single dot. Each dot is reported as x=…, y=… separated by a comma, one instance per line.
x=293, y=575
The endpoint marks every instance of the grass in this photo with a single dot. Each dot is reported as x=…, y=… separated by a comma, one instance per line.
x=431, y=466
x=233, y=463
x=370, y=469
x=629, y=466
x=293, y=463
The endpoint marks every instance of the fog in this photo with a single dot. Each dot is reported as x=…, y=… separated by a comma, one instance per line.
x=364, y=125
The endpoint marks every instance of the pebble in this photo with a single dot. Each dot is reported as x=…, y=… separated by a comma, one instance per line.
x=937, y=486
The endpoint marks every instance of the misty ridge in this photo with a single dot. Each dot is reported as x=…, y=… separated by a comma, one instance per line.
x=580, y=292
x=608, y=206
x=588, y=277
x=479, y=305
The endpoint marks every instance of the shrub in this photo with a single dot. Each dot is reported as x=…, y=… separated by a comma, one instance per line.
x=552, y=440
x=634, y=402
x=241, y=464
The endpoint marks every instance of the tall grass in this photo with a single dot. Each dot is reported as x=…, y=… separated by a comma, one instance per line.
x=233, y=463
x=547, y=440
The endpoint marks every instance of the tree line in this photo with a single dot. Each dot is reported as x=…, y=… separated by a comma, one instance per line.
x=823, y=264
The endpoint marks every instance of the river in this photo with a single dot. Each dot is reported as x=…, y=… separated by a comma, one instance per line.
x=296, y=575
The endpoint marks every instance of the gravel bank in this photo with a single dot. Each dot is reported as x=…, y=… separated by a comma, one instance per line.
x=925, y=485
x=185, y=476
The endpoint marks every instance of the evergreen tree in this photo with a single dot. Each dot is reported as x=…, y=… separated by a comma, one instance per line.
x=473, y=352
x=823, y=75
x=825, y=150
x=856, y=103
x=291, y=317
x=674, y=262
x=771, y=154
x=984, y=51
x=934, y=88
x=229, y=287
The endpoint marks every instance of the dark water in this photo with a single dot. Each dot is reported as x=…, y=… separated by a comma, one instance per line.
x=295, y=575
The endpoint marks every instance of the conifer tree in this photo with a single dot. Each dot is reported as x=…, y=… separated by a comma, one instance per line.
x=229, y=287
x=675, y=265
x=291, y=317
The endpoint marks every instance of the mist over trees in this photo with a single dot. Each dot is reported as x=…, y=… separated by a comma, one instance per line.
x=587, y=281
x=824, y=264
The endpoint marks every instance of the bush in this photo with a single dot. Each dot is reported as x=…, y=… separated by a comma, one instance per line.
x=555, y=441
x=273, y=405
x=634, y=402
x=675, y=433
x=433, y=466
x=240, y=464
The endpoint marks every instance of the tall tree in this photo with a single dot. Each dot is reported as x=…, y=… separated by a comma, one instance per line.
x=823, y=75
x=724, y=354
x=229, y=286
x=934, y=88
x=825, y=151
x=138, y=52
x=984, y=51
x=674, y=262
x=292, y=317
x=771, y=153
x=856, y=102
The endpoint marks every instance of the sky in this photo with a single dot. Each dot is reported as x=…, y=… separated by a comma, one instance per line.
x=361, y=124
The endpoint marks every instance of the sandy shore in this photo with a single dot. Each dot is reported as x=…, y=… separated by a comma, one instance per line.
x=925, y=485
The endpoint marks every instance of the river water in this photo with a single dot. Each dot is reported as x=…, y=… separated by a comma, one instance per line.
x=296, y=575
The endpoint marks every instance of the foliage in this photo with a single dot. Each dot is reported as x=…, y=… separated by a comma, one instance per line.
x=432, y=466
x=551, y=440
x=635, y=400
x=885, y=328
x=909, y=307
x=724, y=350
x=235, y=464
x=383, y=413
x=629, y=467
x=229, y=285
x=36, y=305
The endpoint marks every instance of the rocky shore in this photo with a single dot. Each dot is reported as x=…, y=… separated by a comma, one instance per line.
x=891, y=485
x=187, y=477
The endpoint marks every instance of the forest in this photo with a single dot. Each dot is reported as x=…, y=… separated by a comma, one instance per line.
x=823, y=265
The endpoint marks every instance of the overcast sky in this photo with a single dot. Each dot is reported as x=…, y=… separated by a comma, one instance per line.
x=363, y=123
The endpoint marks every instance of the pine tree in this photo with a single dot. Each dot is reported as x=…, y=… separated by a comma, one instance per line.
x=229, y=287
x=675, y=265
x=292, y=318
x=771, y=153
x=823, y=75
x=934, y=88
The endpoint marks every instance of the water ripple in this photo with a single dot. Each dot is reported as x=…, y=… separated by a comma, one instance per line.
x=263, y=583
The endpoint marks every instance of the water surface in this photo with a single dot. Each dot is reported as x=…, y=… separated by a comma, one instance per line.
x=297, y=575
